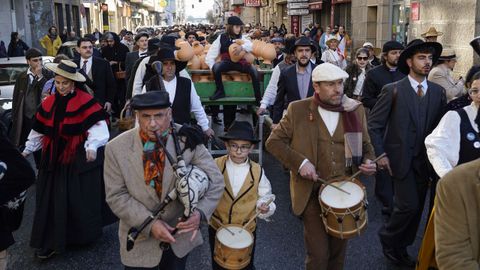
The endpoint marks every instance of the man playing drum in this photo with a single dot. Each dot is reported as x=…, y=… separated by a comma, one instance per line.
x=247, y=191
x=322, y=136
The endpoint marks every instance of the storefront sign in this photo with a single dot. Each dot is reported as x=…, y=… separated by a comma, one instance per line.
x=292, y=12
x=295, y=25
x=315, y=5
x=297, y=5
x=253, y=3
x=306, y=20
x=415, y=11
x=296, y=1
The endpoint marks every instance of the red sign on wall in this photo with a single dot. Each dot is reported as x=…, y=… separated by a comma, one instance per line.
x=253, y=3
x=295, y=25
x=415, y=11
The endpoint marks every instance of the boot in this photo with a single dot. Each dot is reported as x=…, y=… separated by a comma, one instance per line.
x=217, y=95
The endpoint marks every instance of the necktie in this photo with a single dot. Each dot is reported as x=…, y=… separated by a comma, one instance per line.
x=84, y=67
x=420, y=90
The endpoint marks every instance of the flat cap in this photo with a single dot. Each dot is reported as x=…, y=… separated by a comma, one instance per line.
x=392, y=45
x=327, y=72
x=234, y=20
x=151, y=100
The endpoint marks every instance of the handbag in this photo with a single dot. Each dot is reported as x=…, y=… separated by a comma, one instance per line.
x=120, y=74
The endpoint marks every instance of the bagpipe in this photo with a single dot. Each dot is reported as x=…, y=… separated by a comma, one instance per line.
x=191, y=182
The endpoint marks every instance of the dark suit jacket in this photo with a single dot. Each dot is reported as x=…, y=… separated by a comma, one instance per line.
x=375, y=80
x=287, y=90
x=103, y=83
x=130, y=60
x=396, y=116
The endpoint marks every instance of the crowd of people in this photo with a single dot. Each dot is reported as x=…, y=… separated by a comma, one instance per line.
x=333, y=115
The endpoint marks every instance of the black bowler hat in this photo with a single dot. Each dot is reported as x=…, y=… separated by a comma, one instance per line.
x=414, y=45
x=234, y=20
x=304, y=41
x=168, y=41
x=240, y=130
x=140, y=35
x=392, y=45
x=165, y=54
x=151, y=100
x=153, y=45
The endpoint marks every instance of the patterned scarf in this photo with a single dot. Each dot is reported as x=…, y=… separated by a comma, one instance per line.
x=153, y=162
x=352, y=127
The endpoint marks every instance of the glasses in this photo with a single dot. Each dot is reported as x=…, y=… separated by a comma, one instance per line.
x=473, y=91
x=243, y=148
x=362, y=58
x=36, y=59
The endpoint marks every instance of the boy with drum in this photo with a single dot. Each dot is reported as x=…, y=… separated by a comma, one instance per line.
x=321, y=136
x=247, y=194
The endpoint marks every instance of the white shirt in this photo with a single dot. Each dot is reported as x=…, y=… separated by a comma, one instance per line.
x=443, y=144
x=195, y=103
x=415, y=84
x=140, y=73
x=97, y=136
x=237, y=174
x=142, y=53
x=271, y=90
x=333, y=57
x=89, y=63
x=214, y=50
x=358, y=87
x=32, y=76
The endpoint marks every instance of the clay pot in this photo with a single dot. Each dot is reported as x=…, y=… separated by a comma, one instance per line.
x=185, y=53
x=226, y=77
x=197, y=48
x=194, y=63
x=268, y=53
x=256, y=47
x=177, y=42
x=206, y=48
x=237, y=77
x=249, y=58
x=245, y=77
x=196, y=77
x=237, y=45
x=204, y=78
x=203, y=65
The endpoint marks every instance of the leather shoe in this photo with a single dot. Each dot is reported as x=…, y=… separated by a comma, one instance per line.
x=217, y=95
x=44, y=253
x=399, y=257
x=406, y=259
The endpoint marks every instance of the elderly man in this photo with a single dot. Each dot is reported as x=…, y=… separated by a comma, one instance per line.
x=337, y=128
x=441, y=74
x=136, y=182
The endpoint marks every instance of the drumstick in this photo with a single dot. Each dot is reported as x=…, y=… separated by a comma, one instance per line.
x=256, y=215
x=221, y=225
x=330, y=184
x=359, y=172
x=373, y=161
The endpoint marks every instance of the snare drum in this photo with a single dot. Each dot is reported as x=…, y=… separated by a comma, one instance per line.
x=344, y=216
x=233, y=251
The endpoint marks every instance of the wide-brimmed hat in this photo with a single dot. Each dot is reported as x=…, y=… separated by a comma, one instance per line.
x=432, y=32
x=167, y=54
x=304, y=41
x=327, y=72
x=240, y=130
x=448, y=54
x=330, y=39
x=151, y=100
x=67, y=69
x=413, y=46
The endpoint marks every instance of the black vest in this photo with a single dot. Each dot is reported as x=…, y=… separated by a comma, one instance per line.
x=422, y=105
x=469, y=138
x=181, y=106
x=225, y=42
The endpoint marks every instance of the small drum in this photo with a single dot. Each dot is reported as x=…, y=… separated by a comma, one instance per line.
x=233, y=251
x=344, y=216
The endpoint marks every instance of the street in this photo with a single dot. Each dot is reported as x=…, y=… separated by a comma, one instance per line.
x=279, y=242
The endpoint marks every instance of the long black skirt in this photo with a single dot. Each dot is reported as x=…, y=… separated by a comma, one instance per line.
x=69, y=203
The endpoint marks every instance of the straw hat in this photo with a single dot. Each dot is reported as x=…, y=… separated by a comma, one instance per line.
x=448, y=54
x=67, y=69
x=330, y=39
x=432, y=32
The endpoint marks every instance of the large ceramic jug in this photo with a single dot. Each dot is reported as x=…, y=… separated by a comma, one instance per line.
x=185, y=53
x=194, y=63
x=237, y=45
x=197, y=48
x=268, y=53
x=249, y=58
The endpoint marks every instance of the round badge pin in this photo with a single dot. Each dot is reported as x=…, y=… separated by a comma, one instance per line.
x=476, y=145
x=470, y=136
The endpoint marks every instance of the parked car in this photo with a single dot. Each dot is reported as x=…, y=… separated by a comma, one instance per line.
x=10, y=68
x=69, y=49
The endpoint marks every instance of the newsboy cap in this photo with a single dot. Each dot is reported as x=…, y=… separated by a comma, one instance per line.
x=151, y=100
x=392, y=45
x=327, y=72
x=234, y=20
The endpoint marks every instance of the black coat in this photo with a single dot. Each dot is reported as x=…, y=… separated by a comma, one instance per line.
x=396, y=110
x=130, y=60
x=103, y=83
x=287, y=90
x=375, y=79
x=351, y=82
x=17, y=49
